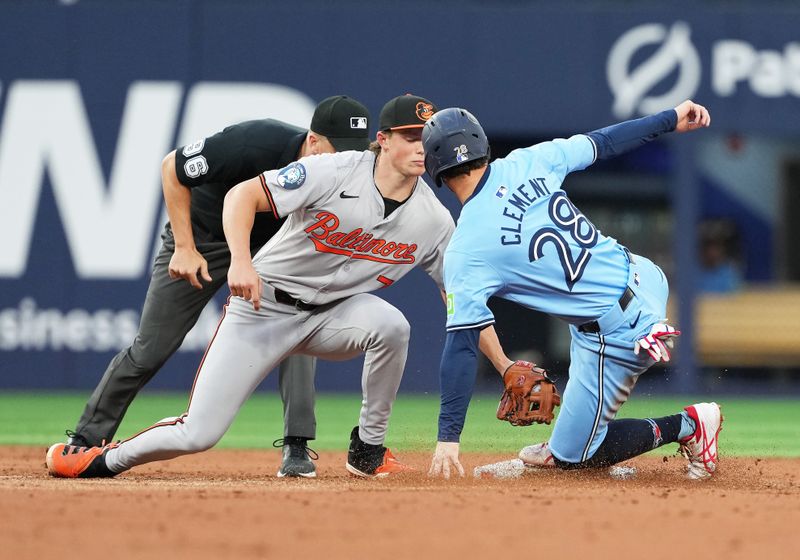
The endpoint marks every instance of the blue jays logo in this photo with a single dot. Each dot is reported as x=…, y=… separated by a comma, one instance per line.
x=461, y=153
x=292, y=176
x=657, y=437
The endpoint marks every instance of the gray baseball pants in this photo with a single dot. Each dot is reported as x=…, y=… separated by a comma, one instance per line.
x=171, y=309
x=247, y=346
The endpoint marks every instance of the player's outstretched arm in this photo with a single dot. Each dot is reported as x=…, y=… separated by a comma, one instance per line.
x=490, y=347
x=238, y=214
x=186, y=261
x=691, y=116
x=457, y=379
x=617, y=139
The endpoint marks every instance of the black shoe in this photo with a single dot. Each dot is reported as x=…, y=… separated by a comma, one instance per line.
x=297, y=457
x=363, y=459
x=77, y=440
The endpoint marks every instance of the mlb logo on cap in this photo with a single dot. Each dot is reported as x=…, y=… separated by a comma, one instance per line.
x=358, y=122
x=343, y=121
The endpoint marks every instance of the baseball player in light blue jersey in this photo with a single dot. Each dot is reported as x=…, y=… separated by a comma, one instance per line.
x=519, y=237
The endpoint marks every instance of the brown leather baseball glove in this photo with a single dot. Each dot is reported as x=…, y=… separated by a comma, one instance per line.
x=529, y=397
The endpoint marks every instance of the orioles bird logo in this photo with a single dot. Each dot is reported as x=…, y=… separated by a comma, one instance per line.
x=424, y=111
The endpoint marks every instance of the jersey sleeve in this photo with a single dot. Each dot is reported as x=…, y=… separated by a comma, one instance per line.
x=215, y=159
x=572, y=154
x=617, y=139
x=469, y=283
x=458, y=368
x=300, y=184
x=556, y=158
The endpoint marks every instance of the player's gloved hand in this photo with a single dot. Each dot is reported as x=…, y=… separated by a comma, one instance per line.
x=446, y=454
x=691, y=116
x=186, y=264
x=244, y=281
x=658, y=342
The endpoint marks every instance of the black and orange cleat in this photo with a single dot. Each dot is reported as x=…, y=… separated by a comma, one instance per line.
x=72, y=461
x=371, y=461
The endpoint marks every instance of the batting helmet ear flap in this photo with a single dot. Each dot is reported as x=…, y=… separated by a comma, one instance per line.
x=450, y=138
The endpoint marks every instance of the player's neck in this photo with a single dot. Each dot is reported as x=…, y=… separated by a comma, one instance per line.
x=391, y=182
x=464, y=185
x=305, y=149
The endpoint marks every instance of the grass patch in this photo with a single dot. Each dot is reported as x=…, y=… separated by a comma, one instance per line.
x=761, y=428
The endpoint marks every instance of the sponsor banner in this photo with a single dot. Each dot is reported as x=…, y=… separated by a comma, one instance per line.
x=563, y=68
x=87, y=116
x=30, y=328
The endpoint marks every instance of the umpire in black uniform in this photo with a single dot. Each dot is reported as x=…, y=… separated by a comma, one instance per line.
x=194, y=259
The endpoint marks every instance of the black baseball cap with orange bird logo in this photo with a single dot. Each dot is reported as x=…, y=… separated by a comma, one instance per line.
x=404, y=112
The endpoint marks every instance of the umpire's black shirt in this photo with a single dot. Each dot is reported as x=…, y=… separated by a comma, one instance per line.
x=213, y=166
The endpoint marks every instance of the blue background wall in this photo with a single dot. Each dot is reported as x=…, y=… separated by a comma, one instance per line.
x=527, y=70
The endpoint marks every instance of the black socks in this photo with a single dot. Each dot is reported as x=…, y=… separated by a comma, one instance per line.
x=630, y=438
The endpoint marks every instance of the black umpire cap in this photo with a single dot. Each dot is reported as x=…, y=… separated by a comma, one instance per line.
x=344, y=121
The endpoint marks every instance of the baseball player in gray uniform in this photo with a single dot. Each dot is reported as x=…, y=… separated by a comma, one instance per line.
x=355, y=222
x=196, y=178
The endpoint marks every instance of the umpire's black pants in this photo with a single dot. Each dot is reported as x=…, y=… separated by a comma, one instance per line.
x=171, y=309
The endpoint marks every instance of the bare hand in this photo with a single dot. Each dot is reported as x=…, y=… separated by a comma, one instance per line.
x=186, y=264
x=245, y=282
x=691, y=116
x=446, y=454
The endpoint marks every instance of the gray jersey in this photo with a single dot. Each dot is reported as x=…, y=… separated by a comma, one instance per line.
x=334, y=245
x=335, y=242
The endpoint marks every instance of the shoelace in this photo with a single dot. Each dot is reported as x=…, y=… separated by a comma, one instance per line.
x=81, y=441
x=297, y=450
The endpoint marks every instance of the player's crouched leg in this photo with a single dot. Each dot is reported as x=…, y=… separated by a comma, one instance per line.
x=384, y=364
x=168, y=439
x=625, y=439
x=366, y=324
x=193, y=436
x=392, y=330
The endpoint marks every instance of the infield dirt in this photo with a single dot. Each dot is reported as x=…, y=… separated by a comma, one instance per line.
x=229, y=504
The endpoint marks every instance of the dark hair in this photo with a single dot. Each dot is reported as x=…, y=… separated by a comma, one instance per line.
x=464, y=168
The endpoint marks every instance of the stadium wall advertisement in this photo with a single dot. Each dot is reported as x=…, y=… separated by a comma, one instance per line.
x=94, y=94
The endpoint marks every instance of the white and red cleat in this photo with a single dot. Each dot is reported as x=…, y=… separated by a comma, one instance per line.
x=701, y=447
x=537, y=455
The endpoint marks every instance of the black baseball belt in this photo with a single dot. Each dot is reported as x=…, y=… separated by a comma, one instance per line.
x=593, y=327
x=283, y=297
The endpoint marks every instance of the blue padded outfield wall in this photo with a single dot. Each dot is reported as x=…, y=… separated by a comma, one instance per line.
x=93, y=94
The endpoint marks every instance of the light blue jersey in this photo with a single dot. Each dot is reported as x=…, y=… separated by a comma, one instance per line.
x=519, y=237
